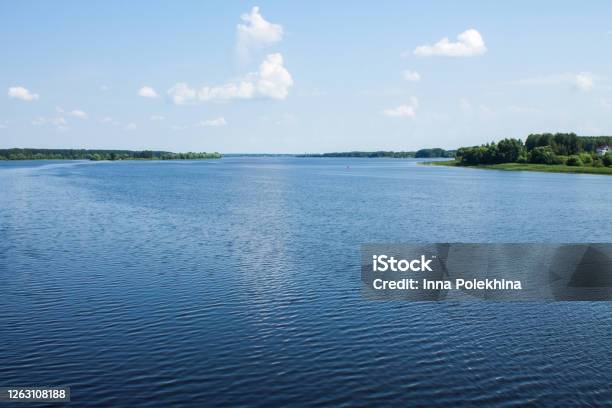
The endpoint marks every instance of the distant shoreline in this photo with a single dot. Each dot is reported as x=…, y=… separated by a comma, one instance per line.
x=101, y=154
x=109, y=154
x=419, y=154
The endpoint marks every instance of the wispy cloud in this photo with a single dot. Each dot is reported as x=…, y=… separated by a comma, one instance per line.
x=76, y=113
x=58, y=122
x=107, y=120
x=218, y=122
x=583, y=81
x=411, y=76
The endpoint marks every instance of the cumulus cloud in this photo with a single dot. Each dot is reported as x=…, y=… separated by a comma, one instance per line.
x=272, y=80
x=256, y=32
x=411, y=76
x=469, y=44
x=130, y=126
x=147, y=92
x=403, y=111
x=19, y=92
x=157, y=117
x=218, y=122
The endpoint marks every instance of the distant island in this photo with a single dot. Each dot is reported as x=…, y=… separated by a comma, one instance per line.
x=423, y=153
x=88, y=154
x=559, y=152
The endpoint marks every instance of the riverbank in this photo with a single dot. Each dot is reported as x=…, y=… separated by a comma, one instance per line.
x=548, y=168
x=98, y=154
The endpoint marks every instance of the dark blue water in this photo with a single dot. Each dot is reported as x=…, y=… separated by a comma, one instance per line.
x=237, y=282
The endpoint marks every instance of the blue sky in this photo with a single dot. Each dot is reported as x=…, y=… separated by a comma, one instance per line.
x=290, y=77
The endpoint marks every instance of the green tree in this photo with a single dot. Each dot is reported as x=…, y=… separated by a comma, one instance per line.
x=509, y=150
x=574, y=160
x=542, y=155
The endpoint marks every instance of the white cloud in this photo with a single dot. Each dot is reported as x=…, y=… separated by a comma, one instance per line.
x=181, y=94
x=130, y=126
x=469, y=43
x=103, y=88
x=583, y=81
x=19, y=92
x=412, y=76
x=255, y=33
x=403, y=111
x=239, y=90
x=77, y=113
x=271, y=81
x=157, y=117
x=218, y=122
x=147, y=92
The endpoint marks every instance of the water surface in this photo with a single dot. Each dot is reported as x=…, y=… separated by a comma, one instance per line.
x=237, y=282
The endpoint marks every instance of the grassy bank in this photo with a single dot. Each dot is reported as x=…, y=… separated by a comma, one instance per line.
x=550, y=168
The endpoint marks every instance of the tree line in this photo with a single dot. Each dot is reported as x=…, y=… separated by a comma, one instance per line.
x=546, y=148
x=88, y=154
x=422, y=153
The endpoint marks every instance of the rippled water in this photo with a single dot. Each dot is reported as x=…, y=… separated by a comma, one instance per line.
x=237, y=282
